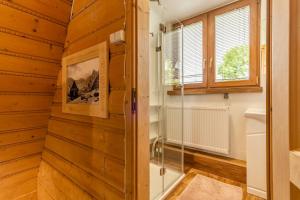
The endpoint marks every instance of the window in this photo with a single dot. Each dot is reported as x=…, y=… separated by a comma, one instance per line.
x=221, y=48
x=193, y=53
x=232, y=34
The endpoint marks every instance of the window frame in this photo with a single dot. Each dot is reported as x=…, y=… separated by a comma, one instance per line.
x=209, y=64
x=254, y=68
x=204, y=19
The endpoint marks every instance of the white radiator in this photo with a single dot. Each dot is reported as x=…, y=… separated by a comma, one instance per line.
x=204, y=128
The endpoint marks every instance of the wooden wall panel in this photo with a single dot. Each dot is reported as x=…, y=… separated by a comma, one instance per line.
x=81, y=6
x=58, y=186
x=280, y=99
x=109, y=141
x=294, y=84
x=56, y=9
x=89, y=151
x=32, y=36
x=98, y=15
x=85, y=180
x=28, y=24
x=16, y=121
x=35, y=48
x=29, y=196
x=96, y=36
x=19, y=165
x=117, y=72
x=23, y=83
x=20, y=184
x=294, y=76
x=28, y=66
x=15, y=151
x=18, y=136
x=20, y=102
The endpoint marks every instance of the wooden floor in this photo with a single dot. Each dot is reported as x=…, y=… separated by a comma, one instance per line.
x=193, y=172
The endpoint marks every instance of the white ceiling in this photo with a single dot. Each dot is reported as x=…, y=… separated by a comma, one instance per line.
x=183, y=9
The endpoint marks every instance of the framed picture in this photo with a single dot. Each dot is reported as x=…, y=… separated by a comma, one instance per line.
x=85, y=82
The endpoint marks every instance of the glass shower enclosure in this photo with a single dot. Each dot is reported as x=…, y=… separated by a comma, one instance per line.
x=166, y=156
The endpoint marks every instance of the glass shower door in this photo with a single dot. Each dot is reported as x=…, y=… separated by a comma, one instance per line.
x=156, y=104
x=166, y=120
x=173, y=107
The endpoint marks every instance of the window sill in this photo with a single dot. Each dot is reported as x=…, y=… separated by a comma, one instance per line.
x=203, y=91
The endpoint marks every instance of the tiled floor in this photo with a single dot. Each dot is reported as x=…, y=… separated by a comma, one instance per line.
x=193, y=172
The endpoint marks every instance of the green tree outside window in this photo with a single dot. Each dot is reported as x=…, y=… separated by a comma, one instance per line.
x=235, y=64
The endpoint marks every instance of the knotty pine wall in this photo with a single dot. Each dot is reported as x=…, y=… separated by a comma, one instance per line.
x=32, y=36
x=86, y=155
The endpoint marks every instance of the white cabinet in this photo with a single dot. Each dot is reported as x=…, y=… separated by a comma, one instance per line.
x=256, y=152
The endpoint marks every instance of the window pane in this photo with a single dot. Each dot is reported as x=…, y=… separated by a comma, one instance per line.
x=172, y=57
x=232, y=45
x=193, y=53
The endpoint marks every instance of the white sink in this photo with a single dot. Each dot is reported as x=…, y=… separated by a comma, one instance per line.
x=295, y=168
x=258, y=114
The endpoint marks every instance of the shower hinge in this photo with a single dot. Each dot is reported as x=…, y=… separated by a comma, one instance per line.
x=162, y=28
x=134, y=100
x=158, y=49
x=162, y=171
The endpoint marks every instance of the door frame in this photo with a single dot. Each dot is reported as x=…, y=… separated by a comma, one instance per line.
x=277, y=97
x=137, y=28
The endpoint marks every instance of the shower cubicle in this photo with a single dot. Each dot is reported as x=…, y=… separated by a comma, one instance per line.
x=166, y=159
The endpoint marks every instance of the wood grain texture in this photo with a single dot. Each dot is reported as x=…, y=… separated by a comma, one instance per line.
x=20, y=184
x=56, y=185
x=280, y=99
x=19, y=165
x=221, y=166
x=142, y=88
x=32, y=35
x=55, y=9
x=294, y=85
x=87, y=154
x=294, y=76
x=29, y=24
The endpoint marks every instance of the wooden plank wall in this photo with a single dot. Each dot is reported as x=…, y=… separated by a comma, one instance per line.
x=295, y=85
x=294, y=76
x=32, y=36
x=280, y=99
x=86, y=155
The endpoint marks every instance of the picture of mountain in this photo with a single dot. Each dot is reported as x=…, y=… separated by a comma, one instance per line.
x=83, y=82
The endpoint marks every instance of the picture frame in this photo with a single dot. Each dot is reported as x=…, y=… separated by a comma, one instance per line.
x=85, y=82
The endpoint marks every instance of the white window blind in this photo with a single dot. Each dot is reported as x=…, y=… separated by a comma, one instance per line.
x=191, y=38
x=232, y=41
x=193, y=53
x=172, y=57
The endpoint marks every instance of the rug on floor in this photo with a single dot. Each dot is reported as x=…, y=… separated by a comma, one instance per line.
x=205, y=188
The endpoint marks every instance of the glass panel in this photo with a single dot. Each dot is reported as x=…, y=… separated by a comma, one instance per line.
x=232, y=45
x=165, y=72
x=173, y=111
x=155, y=78
x=172, y=57
x=193, y=53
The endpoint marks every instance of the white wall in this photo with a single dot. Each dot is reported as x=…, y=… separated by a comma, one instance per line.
x=238, y=104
